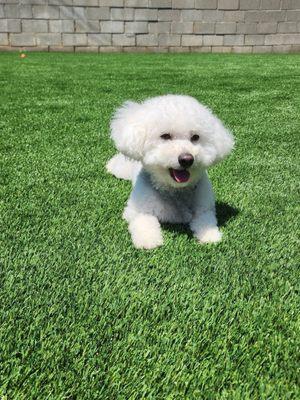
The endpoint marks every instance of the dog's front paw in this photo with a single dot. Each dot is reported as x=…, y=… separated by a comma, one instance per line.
x=148, y=241
x=145, y=232
x=209, y=235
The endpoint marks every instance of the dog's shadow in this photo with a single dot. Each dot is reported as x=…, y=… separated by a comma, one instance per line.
x=225, y=213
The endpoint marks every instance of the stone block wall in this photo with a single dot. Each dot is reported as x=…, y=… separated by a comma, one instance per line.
x=151, y=25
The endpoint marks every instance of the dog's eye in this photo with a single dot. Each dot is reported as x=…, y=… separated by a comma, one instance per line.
x=195, y=138
x=166, y=136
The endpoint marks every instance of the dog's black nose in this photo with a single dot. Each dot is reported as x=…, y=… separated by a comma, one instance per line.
x=186, y=160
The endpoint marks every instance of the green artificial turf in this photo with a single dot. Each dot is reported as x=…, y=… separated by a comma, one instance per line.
x=84, y=315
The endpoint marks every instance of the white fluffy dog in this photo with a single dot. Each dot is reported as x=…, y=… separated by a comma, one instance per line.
x=166, y=144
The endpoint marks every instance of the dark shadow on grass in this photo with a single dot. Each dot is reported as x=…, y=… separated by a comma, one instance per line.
x=178, y=229
x=224, y=211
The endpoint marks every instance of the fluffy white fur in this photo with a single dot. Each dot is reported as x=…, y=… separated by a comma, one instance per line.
x=146, y=158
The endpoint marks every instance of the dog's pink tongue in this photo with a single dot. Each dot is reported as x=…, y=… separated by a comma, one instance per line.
x=179, y=175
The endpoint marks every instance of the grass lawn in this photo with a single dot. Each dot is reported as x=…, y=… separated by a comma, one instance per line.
x=84, y=315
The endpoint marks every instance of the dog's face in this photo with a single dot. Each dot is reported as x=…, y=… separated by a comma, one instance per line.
x=175, y=138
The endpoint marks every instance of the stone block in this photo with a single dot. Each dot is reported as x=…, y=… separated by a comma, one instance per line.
x=58, y=2
x=136, y=27
x=136, y=3
x=3, y=25
x=140, y=49
x=80, y=12
x=10, y=11
x=181, y=49
x=47, y=39
x=282, y=49
x=201, y=49
x=181, y=4
x=288, y=27
x=191, y=15
x=159, y=49
x=135, y=49
x=87, y=49
x=145, y=14
x=225, y=27
x=64, y=49
x=34, y=48
x=290, y=4
x=87, y=26
x=256, y=40
x=144, y=49
x=22, y=39
x=160, y=3
x=228, y=4
x=61, y=25
x=123, y=40
x=99, y=13
x=111, y=3
x=159, y=27
x=221, y=49
x=204, y=27
x=212, y=16
x=66, y=12
x=122, y=14
x=233, y=40
x=87, y=3
x=270, y=4
x=191, y=40
x=73, y=12
x=206, y=4
x=249, y=4
x=110, y=49
x=262, y=49
x=213, y=40
x=282, y=38
x=242, y=49
x=147, y=40
x=7, y=48
x=45, y=12
x=265, y=16
x=3, y=39
x=247, y=27
x=32, y=2
x=74, y=39
x=10, y=25
x=112, y=26
x=234, y=16
x=34, y=25
x=169, y=40
x=169, y=15
x=266, y=27
x=182, y=27
x=25, y=11
x=99, y=39
x=293, y=15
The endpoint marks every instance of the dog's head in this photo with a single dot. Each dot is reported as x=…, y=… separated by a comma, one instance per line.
x=174, y=136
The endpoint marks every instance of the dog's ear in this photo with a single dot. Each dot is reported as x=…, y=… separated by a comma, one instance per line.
x=223, y=139
x=127, y=130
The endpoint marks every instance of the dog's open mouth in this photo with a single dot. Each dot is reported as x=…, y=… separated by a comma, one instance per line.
x=180, y=175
